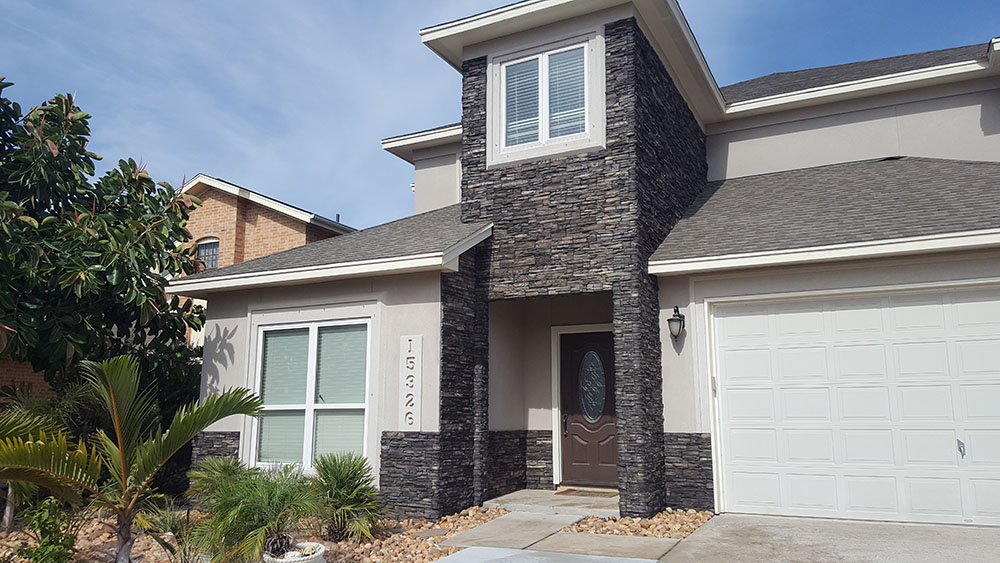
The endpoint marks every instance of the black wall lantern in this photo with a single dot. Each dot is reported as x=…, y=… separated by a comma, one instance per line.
x=676, y=323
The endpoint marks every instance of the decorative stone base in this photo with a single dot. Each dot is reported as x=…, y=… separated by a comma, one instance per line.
x=214, y=444
x=410, y=474
x=506, y=458
x=689, y=470
x=538, y=474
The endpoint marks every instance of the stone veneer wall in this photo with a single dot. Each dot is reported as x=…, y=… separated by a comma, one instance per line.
x=689, y=470
x=429, y=474
x=538, y=460
x=507, y=464
x=589, y=222
x=215, y=444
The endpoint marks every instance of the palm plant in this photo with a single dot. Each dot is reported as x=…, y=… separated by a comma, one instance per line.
x=169, y=520
x=256, y=513
x=133, y=449
x=213, y=473
x=19, y=424
x=347, y=487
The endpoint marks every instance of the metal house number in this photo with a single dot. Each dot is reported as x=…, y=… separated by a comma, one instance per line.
x=410, y=357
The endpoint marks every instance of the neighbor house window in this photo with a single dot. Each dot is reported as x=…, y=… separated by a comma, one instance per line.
x=546, y=101
x=208, y=253
x=313, y=380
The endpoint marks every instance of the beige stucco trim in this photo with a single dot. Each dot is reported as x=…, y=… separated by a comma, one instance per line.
x=434, y=261
x=404, y=145
x=969, y=240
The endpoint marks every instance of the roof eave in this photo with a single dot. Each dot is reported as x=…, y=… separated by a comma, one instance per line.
x=444, y=261
x=946, y=242
x=404, y=145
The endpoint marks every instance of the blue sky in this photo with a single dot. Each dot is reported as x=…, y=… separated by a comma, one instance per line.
x=292, y=98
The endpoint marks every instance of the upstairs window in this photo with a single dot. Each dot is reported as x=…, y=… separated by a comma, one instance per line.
x=208, y=253
x=546, y=101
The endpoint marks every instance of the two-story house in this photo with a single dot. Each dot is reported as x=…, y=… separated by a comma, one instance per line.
x=780, y=296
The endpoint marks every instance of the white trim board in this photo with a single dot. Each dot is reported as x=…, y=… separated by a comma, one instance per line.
x=446, y=260
x=969, y=240
x=558, y=331
x=269, y=203
x=404, y=145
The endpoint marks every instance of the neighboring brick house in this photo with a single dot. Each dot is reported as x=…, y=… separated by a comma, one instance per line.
x=780, y=296
x=232, y=225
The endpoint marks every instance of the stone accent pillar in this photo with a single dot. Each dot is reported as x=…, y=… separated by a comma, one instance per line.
x=638, y=398
x=214, y=444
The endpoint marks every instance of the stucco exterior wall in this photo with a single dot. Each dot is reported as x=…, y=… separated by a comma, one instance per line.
x=402, y=305
x=436, y=177
x=960, y=121
x=521, y=354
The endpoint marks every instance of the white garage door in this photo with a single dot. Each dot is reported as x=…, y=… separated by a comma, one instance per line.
x=881, y=407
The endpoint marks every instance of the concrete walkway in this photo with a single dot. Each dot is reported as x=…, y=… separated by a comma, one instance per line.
x=530, y=537
x=773, y=539
x=554, y=502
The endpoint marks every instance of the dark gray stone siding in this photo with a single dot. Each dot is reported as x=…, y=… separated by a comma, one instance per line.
x=410, y=474
x=688, y=460
x=538, y=454
x=214, y=444
x=506, y=462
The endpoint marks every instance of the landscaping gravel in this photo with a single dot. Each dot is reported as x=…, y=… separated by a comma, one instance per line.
x=667, y=524
x=415, y=541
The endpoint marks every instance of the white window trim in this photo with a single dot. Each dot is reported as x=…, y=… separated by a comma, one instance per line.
x=594, y=102
x=310, y=407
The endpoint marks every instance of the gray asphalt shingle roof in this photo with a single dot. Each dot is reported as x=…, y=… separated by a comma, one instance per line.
x=840, y=203
x=434, y=231
x=796, y=80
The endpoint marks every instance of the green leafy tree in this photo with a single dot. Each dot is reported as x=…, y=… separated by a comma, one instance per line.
x=84, y=261
x=131, y=448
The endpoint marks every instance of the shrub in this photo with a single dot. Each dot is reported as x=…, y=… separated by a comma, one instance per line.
x=169, y=523
x=347, y=488
x=213, y=473
x=53, y=530
x=256, y=513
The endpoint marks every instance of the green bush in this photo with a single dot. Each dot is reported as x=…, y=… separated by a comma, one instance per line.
x=254, y=512
x=173, y=530
x=53, y=529
x=350, y=499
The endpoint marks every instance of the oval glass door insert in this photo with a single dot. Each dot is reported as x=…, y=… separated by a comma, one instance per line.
x=593, y=386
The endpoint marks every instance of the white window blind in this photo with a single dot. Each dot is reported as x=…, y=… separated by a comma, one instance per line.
x=521, y=103
x=312, y=408
x=567, y=96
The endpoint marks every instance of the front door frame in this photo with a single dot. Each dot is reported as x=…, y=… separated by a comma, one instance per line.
x=557, y=332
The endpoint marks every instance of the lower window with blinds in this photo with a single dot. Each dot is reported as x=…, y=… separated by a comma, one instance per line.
x=313, y=381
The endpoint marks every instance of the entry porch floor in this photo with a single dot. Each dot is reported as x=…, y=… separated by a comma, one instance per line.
x=572, y=501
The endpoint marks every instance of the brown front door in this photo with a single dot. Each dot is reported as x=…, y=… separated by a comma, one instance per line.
x=587, y=382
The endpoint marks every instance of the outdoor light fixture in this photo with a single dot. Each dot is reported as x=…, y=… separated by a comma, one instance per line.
x=676, y=323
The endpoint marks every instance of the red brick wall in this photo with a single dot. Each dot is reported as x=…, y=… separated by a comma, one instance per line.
x=268, y=231
x=14, y=373
x=217, y=217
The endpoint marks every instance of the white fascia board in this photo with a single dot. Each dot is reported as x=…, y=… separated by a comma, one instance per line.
x=969, y=240
x=952, y=72
x=433, y=261
x=264, y=201
x=404, y=145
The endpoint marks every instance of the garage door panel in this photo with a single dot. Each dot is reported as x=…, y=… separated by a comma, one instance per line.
x=934, y=496
x=866, y=362
x=858, y=407
x=980, y=403
x=805, y=404
x=866, y=494
x=803, y=364
x=922, y=360
x=864, y=404
x=864, y=447
x=930, y=447
x=978, y=358
x=809, y=446
x=925, y=403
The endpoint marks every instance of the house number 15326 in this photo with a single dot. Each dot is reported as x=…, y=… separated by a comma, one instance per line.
x=411, y=360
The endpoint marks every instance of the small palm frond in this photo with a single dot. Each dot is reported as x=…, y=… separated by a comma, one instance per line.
x=188, y=423
x=18, y=424
x=214, y=473
x=51, y=462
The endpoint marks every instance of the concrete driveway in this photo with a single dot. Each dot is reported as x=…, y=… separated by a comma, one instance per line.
x=771, y=539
